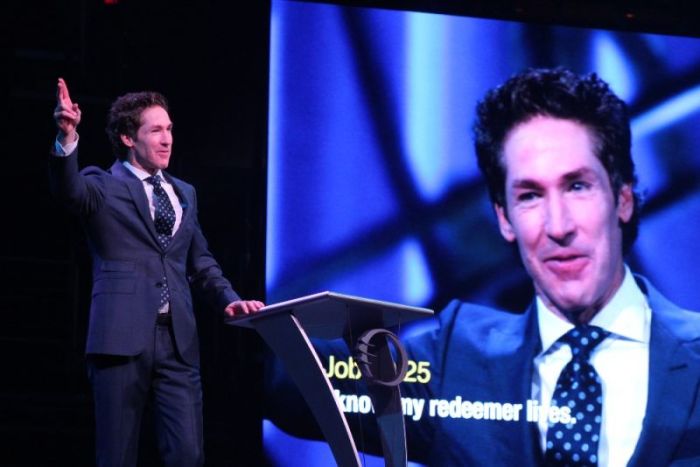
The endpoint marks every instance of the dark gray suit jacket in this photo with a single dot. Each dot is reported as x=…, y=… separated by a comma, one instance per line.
x=128, y=263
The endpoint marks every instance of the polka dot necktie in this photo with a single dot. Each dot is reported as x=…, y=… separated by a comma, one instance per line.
x=164, y=215
x=579, y=388
x=164, y=220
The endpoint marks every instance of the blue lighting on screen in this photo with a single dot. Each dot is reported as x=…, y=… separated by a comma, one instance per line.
x=400, y=274
x=669, y=112
x=425, y=135
x=308, y=453
x=417, y=283
x=613, y=66
x=674, y=251
x=273, y=172
x=373, y=186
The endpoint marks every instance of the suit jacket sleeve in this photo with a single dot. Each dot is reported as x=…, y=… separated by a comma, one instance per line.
x=81, y=195
x=204, y=272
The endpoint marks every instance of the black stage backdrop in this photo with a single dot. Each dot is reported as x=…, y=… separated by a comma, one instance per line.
x=210, y=59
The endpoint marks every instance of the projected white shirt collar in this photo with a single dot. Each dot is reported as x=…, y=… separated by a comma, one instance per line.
x=622, y=361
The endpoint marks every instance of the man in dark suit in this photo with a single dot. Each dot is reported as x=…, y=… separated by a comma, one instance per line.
x=601, y=369
x=147, y=251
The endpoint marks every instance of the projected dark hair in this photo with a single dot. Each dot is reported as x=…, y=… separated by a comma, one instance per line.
x=557, y=93
x=124, y=117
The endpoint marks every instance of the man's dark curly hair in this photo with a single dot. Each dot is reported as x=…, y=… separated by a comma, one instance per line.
x=558, y=93
x=124, y=117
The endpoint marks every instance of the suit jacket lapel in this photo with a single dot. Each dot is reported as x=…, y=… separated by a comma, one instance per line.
x=513, y=349
x=138, y=194
x=185, y=202
x=674, y=372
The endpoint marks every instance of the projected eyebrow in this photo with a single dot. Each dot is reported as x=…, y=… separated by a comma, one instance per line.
x=578, y=174
x=583, y=172
x=526, y=183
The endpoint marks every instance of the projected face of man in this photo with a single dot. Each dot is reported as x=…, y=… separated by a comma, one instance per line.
x=562, y=212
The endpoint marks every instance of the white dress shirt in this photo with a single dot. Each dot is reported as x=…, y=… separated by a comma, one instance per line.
x=143, y=175
x=621, y=360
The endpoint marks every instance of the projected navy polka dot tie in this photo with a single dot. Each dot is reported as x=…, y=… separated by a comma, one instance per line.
x=164, y=220
x=579, y=388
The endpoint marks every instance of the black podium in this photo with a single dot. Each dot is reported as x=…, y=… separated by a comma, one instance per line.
x=287, y=326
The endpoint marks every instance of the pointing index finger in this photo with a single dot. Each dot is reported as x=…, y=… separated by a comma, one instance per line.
x=62, y=94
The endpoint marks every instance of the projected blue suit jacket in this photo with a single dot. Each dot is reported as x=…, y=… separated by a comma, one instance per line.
x=486, y=355
x=482, y=354
x=128, y=263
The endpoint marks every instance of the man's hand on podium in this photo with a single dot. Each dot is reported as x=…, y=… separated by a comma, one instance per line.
x=243, y=308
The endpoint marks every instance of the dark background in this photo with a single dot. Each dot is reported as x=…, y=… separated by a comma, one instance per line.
x=210, y=58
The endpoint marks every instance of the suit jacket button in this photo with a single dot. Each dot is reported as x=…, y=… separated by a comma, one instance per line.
x=159, y=284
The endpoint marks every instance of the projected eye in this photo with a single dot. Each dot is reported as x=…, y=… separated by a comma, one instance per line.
x=579, y=186
x=527, y=196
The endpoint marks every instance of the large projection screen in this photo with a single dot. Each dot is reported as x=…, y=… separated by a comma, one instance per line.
x=373, y=186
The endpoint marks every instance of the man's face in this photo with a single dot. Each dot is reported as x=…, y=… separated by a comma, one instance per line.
x=151, y=148
x=562, y=213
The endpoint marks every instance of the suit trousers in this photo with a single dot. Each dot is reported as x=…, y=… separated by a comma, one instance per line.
x=124, y=385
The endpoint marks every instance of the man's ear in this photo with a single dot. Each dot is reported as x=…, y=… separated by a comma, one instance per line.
x=625, y=203
x=127, y=141
x=503, y=223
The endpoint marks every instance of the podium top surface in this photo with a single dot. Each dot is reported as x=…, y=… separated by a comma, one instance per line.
x=330, y=315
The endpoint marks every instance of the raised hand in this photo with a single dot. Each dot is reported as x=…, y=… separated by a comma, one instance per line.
x=67, y=114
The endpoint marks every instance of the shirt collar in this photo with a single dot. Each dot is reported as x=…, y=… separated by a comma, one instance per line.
x=626, y=315
x=140, y=173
